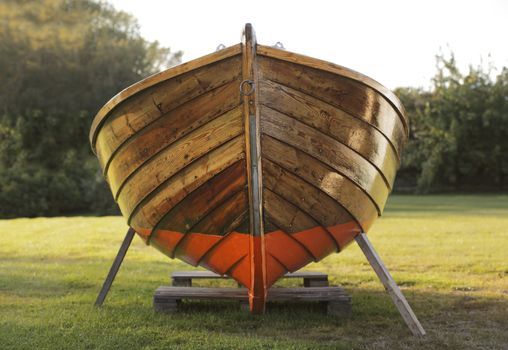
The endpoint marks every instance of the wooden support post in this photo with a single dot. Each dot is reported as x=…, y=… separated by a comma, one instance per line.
x=115, y=267
x=391, y=287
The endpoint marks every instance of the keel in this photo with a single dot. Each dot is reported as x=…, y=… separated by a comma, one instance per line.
x=248, y=89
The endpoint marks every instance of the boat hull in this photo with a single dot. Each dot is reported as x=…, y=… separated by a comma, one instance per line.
x=251, y=161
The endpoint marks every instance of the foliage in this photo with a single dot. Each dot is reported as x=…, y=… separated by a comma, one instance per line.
x=458, y=130
x=60, y=61
x=448, y=254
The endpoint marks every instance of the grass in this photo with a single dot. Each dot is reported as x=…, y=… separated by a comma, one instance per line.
x=449, y=254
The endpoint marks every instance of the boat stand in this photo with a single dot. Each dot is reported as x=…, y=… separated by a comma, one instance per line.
x=167, y=299
x=115, y=267
x=333, y=300
x=391, y=287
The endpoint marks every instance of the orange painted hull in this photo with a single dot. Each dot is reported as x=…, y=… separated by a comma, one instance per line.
x=231, y=254
x=252, y=161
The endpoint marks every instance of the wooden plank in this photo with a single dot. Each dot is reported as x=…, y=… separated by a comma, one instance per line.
x=334, y=69
x=391, y=287
x=156, y=79
x=308, y=294
x=274, y=294
x=153, y=103
x=285, y=215
x=204, y=200
x=327, y=150
x=310, y=278
x=319, y=206
x=155, y=137
x=258, y=285
x=177, y=157
x=151, y=209
x=219, y=220
x=335, y=300
x=353, y=132
x=344, y=191
x=342, y=93
x=213, y=275
x=115, y=267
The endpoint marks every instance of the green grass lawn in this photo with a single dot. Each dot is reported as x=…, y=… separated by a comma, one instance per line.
x=449, y=254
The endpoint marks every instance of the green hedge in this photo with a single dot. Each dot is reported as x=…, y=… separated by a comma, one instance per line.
x=60, y=61
x=458, y=132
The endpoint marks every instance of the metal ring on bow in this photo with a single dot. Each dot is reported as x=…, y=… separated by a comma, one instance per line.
x=220, y=47
x=248, y=92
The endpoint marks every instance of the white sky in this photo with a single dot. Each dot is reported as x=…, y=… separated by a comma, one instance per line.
x=394, y=42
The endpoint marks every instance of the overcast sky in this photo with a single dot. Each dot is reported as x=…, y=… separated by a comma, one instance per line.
x=394, y=42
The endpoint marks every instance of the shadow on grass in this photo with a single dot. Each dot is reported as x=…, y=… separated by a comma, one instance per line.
x=50, y=305
x=452, y=320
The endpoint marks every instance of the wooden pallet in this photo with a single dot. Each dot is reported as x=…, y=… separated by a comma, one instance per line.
x=184, y=278
x=333, y=299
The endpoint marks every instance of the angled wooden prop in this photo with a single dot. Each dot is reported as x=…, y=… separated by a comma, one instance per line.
x=115, y=267
x=391, y=287
x=252, y=161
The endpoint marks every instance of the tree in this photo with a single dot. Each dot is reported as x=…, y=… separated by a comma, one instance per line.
x=60, y=61
x=458, y=134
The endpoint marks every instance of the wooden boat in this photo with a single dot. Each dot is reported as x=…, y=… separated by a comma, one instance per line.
x=251, y=161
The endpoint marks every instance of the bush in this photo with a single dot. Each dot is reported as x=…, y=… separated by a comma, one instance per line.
x=60, y=61
x=458, y=131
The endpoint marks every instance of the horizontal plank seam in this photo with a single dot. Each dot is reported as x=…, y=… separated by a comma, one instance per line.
x=337, y=246
x=278, y=261
x=213, y=247
x=303, y=246
x=224, y=201
x=157, y=78
x=400, y=113
x=326, y=166
x=326, y=194
x=338, y=107
x=156, y=227
x=376, y=129
x=290, y=204
x=227, y=198
x=158, y=188
x=233, y=266
x=166, y=148
x=245, y=216
x=162, y=116
x=322, y=134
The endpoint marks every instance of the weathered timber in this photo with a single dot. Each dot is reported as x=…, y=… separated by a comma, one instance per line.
x=336, y=300
x=115, y=267
x=323, y=177
x=391, y=287
x=184, y=278
x=354, y=133
x=258, y=285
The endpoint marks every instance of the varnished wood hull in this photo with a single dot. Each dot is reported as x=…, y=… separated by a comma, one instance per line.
x=256, y=182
